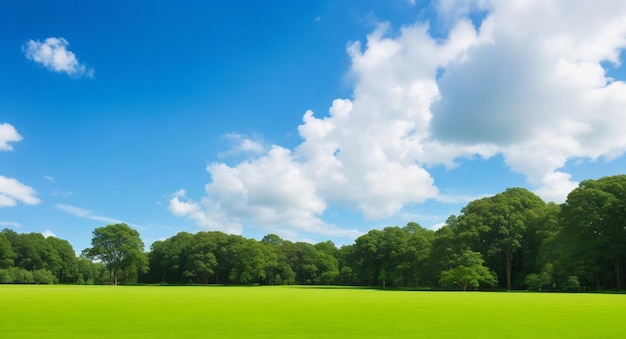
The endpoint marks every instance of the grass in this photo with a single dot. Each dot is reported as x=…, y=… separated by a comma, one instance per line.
x=57, y=311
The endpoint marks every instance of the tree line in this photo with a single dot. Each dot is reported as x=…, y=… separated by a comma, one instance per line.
x=512, y=240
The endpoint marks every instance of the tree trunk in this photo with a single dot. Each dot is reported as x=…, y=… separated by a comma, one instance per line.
x=508, y=264
x=617, y=263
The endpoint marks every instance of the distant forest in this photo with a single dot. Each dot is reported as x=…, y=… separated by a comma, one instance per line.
x=512, y=240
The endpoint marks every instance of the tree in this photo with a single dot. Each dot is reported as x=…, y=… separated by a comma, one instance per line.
x=326, y=262
x=417, y=254
x=444, y=250
x=470, y=271
x=67, y=267
x=495, y=226
x=119, y=248
x=278, y=270
x=7, y=256
x=539, y=281
x=594, y=225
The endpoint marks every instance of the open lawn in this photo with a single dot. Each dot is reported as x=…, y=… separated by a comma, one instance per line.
x=57, y=311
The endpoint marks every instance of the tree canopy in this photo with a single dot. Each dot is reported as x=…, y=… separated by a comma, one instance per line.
x=512, y=240
x=120, y=249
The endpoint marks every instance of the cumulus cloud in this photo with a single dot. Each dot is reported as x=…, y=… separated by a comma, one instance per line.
x=8, y=134
x=12, y=191
x=538, y=92
x=270, y=192
x=527, y=82
x=53, y=54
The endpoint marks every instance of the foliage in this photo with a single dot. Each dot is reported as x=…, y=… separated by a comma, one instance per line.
x=594, y=219
x=496, y=226
x=579, y=245
x=7, y=256
x=572, y=284
x=120, y=249
x=539, y=281
x=469, y=271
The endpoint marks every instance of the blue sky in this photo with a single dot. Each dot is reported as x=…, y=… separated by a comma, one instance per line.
x=315, y=120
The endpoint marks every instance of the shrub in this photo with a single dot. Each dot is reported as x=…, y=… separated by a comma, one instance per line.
x=572, y=283
x=43, y=277
x=6, y=277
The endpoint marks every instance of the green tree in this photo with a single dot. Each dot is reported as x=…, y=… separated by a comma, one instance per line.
x=326, y=262
x=119, y=248
x=200, y=258
x=90, y=273
x=416, y=254
x=495, y=226
x=594, y=226
x=7, y=256
x=543, y=250
x=65, y=270
x=444, y=250
x=469, y=271
x=346, y=259
x=540, y=280
x=368, y=257
x=278, y=270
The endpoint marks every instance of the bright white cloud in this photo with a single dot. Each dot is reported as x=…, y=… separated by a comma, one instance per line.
x=527, y=83
x=538, y=93
x=48, y=233
x=12, y=191
x=54, y=55
x=8, y=134
x=210, y=217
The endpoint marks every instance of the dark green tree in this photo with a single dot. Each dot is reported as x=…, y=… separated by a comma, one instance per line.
x=496, y=226
x=65, y=271
x=119, y=248
x=594, y=226
x=278, y=270
x=326, y=262
x=7, y=256
x=444, y=251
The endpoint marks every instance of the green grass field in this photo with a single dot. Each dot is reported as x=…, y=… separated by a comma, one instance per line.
x=56, y=311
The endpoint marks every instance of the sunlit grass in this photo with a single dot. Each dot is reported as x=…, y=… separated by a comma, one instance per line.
x=299, y=312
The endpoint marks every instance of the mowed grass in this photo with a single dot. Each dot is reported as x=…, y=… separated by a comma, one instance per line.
x=56, y=311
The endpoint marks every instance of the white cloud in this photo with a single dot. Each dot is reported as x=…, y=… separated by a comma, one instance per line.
x=53, y=55
x=270, y=192
x=538, y=92
x=86, y=214
x=242, y=144
x=48, y=233
x=210, y=217
x=8, y=134
x=12, y=191
x=10, y=224
x=527, y=83
x=437, y=226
